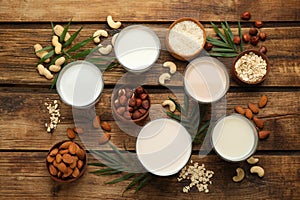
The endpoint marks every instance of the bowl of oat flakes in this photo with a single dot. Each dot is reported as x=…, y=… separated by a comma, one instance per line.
x=250, y=67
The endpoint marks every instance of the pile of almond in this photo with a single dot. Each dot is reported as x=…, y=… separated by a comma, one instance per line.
x=66, y=160
x=254, y=109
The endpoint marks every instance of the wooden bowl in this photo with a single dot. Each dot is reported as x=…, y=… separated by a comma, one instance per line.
x=178, y=55
x=69, y=178
x=240, y=80
x=121, y=117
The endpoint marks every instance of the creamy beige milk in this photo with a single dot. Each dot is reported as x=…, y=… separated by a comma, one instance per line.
x=234, y=138
x=206, y=79
x=80, y=83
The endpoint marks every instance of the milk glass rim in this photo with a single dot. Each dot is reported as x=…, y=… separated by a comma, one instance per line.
x=65, y=68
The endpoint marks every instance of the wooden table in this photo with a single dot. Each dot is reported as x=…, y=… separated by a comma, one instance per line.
x=24, y=142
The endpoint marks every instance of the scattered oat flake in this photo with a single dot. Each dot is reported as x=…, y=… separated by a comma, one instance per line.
x=54, y=115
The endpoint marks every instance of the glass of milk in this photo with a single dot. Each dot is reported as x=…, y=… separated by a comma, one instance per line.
x=234, y=137
x=137, y=47
x=80, y=84
x=206, y=79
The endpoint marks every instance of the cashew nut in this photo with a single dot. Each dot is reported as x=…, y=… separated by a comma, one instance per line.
x=171, y=65
x=252, y=160
x=58, y=30
x=258, y=170
x=163, y=77
x=105, y=50
x=41, y=54
x=60, y=61
x=171, y=104
x=98, y=34
x=240, y=175
x=112, y=23
x=113, y=39
x=56, y=44
x=44, y=72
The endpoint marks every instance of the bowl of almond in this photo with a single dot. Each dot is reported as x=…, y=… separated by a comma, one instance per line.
x=250, y=67
x=66, y=161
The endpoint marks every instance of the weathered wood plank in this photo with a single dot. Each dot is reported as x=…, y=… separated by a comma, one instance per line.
x=140, y=10
x=24, y=115
x=17, y=65
x=24, y=175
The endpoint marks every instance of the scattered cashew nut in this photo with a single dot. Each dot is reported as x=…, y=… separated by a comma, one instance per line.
x=171, y=104
x=44, y=72
x=252, y=160
x=113, y=39
x=240, y=175
x=163, y=77
x=112, y=23
x=58, y=30
x=258, y=170
x=171, y=65
x=105, y=50
x=56, y=44
x=41, y=54
x=98, y=34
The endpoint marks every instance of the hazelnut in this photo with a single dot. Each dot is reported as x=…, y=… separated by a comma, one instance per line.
x=121, y=92
x=262, y=36
x=128, y=93
x=143, y=96
x=136, y=114
x=246, y=15
x=127, y=115
x=246, y=37
x=132, y=102
x=254, y=40
x=123, y=100
x=146, y=104
x=236, y=39
x=117, y=103
x=138, y=102
x=253, y=31
x=142, y=110
x=121, y=110
x=139, y=90
x=129, y=109
x=258, y=23
x=208, y=46
x=263, y=49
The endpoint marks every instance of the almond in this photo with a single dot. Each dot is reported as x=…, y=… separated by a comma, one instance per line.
x=67, y=158
x=65, y=145
x=239, y=110
x=68, y=173
x=58, y=158
x=72, y=148
x=248, y=113
x=59, y=174
x=54, y=152
x=80, y=153
x=79, y=164
x=258, y=122
x=104, y=138
x=53, y=171
x=105, y=126
x=55, y=164
x=63, y=151
x=50, y=159
x=70, y=133
x=263, y=134
x=253, y=108
x=73, y=164
x=62, y=167
x=263, y=101
x=78, y=130
x=75, y=172
x=96, y=122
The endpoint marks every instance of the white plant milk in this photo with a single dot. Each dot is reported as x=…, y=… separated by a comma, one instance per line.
x=80, y=84
x=206, y=79
x=137, y=48
x=234, y=138
x=163, y=146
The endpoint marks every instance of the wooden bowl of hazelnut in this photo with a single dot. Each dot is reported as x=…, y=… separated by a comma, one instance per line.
x=185, y=38
x=130, y=105
x=250, y=67
x=66, y=161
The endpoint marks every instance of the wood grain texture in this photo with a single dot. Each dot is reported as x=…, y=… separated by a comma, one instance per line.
x=24, y=175
x=17, y=65
x=151, y=10
x=24, y=115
